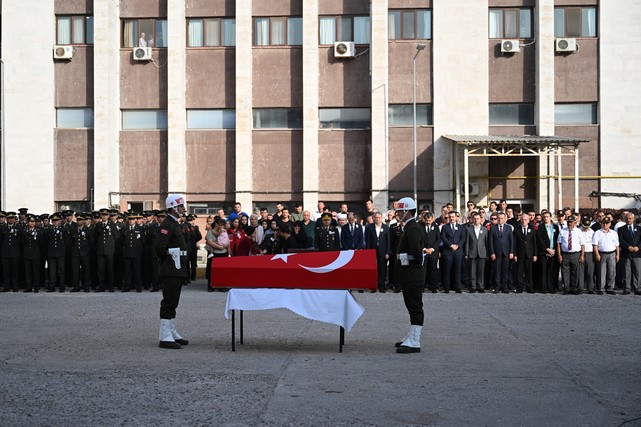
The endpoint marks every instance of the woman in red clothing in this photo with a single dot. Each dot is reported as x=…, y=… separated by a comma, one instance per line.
x=236, y=233
x=246, y=245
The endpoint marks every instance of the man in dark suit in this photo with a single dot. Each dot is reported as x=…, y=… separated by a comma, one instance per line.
x=525, y=255
x=352, y=234
x=377, y=236
x=476, y=253
x=453, y=237
x=501, y=247
x=546, y=239
x=630, y=242
x=431, y=250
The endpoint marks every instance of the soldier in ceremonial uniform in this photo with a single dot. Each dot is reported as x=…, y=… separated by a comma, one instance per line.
x=10, y=232
x=171, y=249
x=31, y=238
x=410, y=273
x=132, y=248
x=81, y=243
x=326, y=236
x=57, y=241
x=106, y=234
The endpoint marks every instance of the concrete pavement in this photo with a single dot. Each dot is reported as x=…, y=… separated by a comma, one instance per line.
x=93, y=359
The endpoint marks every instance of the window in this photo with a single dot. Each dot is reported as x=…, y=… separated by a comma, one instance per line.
x=575, y=114
x=211, y=32
x=76, y=29
x=409, y=24
x=72, y=118
x=510, y=23
x=144, y=33
x=403, y=115
x=282, y=118
x=144, y=119
x=575, y=22
x=344, y=29
x=211, y=119
x=511, y=114
x=344, y=118
x=278, y=31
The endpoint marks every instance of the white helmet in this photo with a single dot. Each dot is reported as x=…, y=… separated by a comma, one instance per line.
x=174, y=200
x=406, y=204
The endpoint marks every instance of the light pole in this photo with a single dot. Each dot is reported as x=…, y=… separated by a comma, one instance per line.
x=3, y=175
x=419, y=48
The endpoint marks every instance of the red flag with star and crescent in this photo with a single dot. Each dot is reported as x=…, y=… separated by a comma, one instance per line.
x=303, y=270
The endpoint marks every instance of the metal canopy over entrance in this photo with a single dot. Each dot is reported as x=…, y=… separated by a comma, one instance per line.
x=488, y=146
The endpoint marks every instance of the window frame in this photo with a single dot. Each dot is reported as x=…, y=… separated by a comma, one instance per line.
x=565, y=21
x=123, y=22
x=518, y=22
x=415, y=12
x=143, y=129
x=223, y=112
x=531, y=105
x=429, y=117
x=71, y=30
x=288, y=110
x=329, y=127
x=78, y=109
x=337, y=29
x=221, y=20
x=270, y=19
x=594, y=113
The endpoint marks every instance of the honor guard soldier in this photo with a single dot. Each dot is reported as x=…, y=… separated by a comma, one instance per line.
x=171, y=249
x=81, y=244
x=106, y=234
x=10, y=232
x=132, y=248
x=31, y=238
x=57, y=240
x=410, y=273
x=326, y=236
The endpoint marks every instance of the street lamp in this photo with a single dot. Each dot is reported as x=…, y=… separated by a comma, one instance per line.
x=419, y=48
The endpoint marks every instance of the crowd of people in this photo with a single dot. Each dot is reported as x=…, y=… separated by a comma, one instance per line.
x=497, y=249
x=100, y=251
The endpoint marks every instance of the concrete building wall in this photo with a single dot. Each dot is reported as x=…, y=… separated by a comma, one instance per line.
x=620, y=110
x=28, y=89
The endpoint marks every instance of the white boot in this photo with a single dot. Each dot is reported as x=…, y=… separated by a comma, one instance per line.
x=400, y=343
x=176, y=336
x=166, y=338
x=413, y=342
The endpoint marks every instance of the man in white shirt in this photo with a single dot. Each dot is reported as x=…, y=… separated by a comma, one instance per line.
x=143, y=40
x=586, y=270
x=570, y=254
x=606, y=253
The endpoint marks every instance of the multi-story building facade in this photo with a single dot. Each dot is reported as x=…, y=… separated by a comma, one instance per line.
x=252, y=101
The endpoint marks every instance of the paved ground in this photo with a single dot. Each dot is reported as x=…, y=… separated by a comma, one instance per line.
x=93, y=360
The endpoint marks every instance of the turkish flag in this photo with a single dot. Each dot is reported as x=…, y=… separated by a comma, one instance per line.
x=303, y=270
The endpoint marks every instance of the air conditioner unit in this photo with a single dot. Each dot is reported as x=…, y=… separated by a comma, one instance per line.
x=565, y=45
x=142, y=54
x=344, y=50
x=62, y=52
x=473, y=189
x=510, y=46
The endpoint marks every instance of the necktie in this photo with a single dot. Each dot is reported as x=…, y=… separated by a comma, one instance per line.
x=631, y=229
x=452, y=225
x=570, y=241
x=524, y=231
x=500, y=229
x=351, y=229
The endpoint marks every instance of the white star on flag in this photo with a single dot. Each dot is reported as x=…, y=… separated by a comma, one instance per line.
x=281, y=256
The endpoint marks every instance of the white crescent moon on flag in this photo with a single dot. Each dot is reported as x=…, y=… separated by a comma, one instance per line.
x=343, y=259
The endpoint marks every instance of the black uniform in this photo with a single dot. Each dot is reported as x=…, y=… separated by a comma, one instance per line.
x=31, y=240
x=10, y=234
x=170, y=236
x=412, y=276
x=192, y=237
x=81, y=248
x=106, y=234
x=132, y=250
x=327, y=239
x=57, y=241
x=151, y=276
